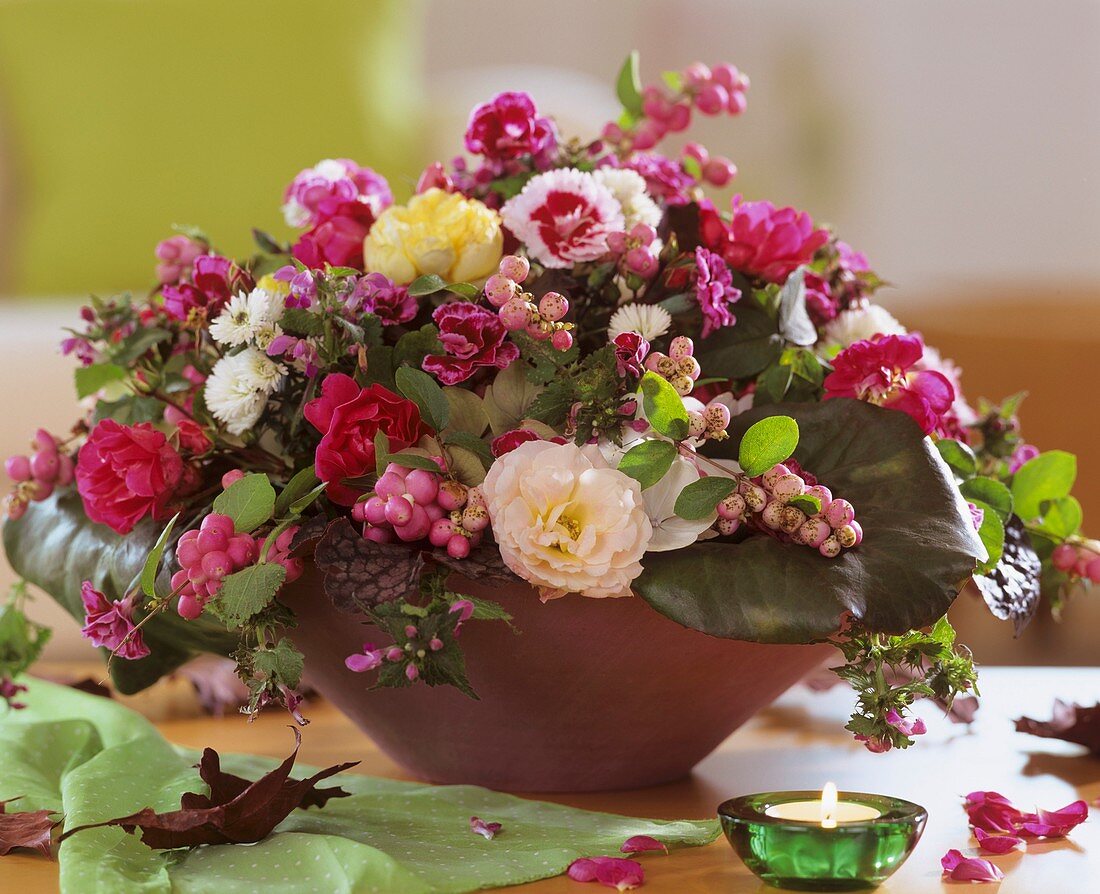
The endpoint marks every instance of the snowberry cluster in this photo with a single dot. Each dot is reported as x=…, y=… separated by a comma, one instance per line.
x=1078, y=560
x=678, y=366
x=36, y=476
x=213, y=552
x=636, y=251
x=415, y=504
x=767, y=502
x=711, y=91
x=517, y=309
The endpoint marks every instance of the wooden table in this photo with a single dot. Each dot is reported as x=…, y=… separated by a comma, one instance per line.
x=797, y=743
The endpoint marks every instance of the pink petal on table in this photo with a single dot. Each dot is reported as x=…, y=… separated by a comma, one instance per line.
x=969, y=869
x=612, y=872
x=487, y=830
x=997, y=844
x=1054, y=823
x=993, y=812
x=638, y=844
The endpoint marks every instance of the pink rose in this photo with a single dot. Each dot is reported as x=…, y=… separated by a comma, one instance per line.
x=349, y=417
x=124, y=473
x=315, y=193
x=630, y=353
x=111, y=624
x=473, y=338
x=762, y=240
x=176, y=255
x=507, y=127
x=510, y=440
x=338, y=239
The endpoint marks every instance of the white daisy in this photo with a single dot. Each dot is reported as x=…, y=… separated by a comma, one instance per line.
x=862, y=323
x=237, y=390
x=650, y=321
x=247, y=317
x=629, y=189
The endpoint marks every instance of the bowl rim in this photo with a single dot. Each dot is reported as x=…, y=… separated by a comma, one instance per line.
x=749, y=810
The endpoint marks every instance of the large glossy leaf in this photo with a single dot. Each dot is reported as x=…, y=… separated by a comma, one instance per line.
x=919, y=545
x=55, y=547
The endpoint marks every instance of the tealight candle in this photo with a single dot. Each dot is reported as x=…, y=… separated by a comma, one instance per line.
x=838, y=841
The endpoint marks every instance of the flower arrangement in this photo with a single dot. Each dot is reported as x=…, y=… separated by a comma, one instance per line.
x=558, y=362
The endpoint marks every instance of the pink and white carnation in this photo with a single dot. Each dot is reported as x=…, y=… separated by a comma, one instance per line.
x=565, y=521
x=564, y=217
x=311, y=196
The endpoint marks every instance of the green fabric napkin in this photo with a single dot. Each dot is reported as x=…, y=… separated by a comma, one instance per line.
x=93, y=759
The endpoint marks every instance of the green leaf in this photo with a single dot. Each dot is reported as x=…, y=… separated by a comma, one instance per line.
x=381, y=452
x=414, y=346
x=149, y=572
x=428, y=284
x=958, y=456
x=1062, y=518
x=648, y=462
x=919, y=543
x=467, y=411
x=992, y=534
x=465, y=289
x=411, y=460
x=89, y=379
x=306, y=500
x=664, y=408
x=133, y=346
x=298, y=486
x=991, y=492
x=248, y=592
x=267, y=243
x=283, y=662
x=772, y=384
x=472, y=443
x=342, y=271
x=425, y=392
x=508, y=399
x=699, y=499
x=249, y=502
x=298, y=321
x=628, y=85
x=742, y=350
x=766, y=443
x=1048, y=476
x=795, y=324
x=485, y=609
x=807, y=503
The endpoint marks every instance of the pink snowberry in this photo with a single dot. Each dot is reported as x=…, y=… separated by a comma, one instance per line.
x=515, y=267
x=499, y=289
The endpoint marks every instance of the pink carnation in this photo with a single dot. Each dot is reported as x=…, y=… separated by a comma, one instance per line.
x=175, y=255
x=714, y=290
x=507, y=127
x=665, y=178
x=213, y=280
x=111, y=624
x=473, y=338
x=124, y=473
x=376, y=293
x=312, y=197
x=630, y=353
x=880, y=371
x=564, y=217
x=762, y=240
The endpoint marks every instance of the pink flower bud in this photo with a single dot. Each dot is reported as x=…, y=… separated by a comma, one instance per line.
x=410, y=630
x=412, y=672
x=394, y=653
x=18, y=468
x=712, y=99
x=719, y=171
x=435, y=644
x=697, y=74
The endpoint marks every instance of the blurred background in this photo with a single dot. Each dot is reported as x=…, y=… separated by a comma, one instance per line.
x=956, y=145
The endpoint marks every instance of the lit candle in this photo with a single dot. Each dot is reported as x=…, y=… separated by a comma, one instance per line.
x=827, y=811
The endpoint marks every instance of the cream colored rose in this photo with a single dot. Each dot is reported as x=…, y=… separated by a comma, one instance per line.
x=437, y=232
x=565, y=521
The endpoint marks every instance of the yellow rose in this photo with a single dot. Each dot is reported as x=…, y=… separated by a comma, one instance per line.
x=438, y=232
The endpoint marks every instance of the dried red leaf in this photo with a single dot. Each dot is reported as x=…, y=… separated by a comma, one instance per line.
x=236, y=811
x=1069, y=722
x=30, y=829
x=486, y=830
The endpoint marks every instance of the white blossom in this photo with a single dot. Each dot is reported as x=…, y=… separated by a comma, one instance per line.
x=862, y=323
x=248, y=318
x=649, y=320
x=238, y=388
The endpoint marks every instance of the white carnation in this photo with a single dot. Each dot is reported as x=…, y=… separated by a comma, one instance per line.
x=649, y=320
x=629, y=189
x=248, y=318
x=238, y=388
x=860, y=324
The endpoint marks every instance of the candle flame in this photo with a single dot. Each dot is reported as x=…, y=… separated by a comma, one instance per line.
x=828, y=806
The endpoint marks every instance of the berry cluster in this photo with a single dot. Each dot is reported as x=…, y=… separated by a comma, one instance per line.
x=415, y=504
x=213, y=552
x=36, y=476
x=1078, y=560
x=711, y=91
x=636, y=251
x=766, y=502
x=679, y=366
x=517, y=309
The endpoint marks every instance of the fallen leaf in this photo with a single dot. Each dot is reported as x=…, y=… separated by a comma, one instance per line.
x=30, y=829
x=1069, y=722
x=236, y=811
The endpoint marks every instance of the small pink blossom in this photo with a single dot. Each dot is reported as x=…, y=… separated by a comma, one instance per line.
x=464, y=608
x=367, y=660
x=714, y=290
x=111, y=624
x=997, y=844
x=9, y=692
x=969, y=869
x=376, y=293
x=612, y=872
x=665, y=178
x=488, y=831
x=303, y=286
x=176, y=254
x=874, y=744
x=762, y=240
x=914, y=727
x=638, y=844
x=1021, y=455
x=630, y=354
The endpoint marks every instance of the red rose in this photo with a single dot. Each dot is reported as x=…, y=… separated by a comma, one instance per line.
x=124, y=473
x=338, y=238
x=472, y=337
x=349, y=417
x=510, y=440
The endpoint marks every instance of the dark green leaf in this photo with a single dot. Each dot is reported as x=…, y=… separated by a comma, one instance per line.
x=283, y=663
x=343, y=271
x=133, y=346
x=247, y=592
x=428, y=284
x=958, y=456
x=306, y=500
x=628, y=85
x=1048, y=476
x=267, y=243
x=648, y=462
x=89, y=379
x=664, y=408
x=772, y=384
x=770, y=441
x=129, y=410
x=795, y=324
x=413, y=461
x=744, y=349
x=149, y=572
x=413, y=347
x=699, y=499
x=467, y=290
x=486, y=609
x=472, y=443
x=249, y=501
x=807, y=503
x=298, y=321
x=298, y=486
x=425, y=392
x=381, y=452
x=990, y=492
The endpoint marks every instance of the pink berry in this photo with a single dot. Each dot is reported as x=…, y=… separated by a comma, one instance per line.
x=756, y=498
x=772, y=515
x=791, y=519
x=725, y=75
x=45, y=465
x=561, y=340
x=728, y=526
x=830, y=547
x=515, y=314
x=441, y=531
x=188, y=553
x=66, y=473
x=475, y=497
x=434, y=510
x=697, y=74
x=452, y=495
x=858, y=528
x=1092, y=570
x=42, y=490
x=242, y=550
x=717, y=416
x=417, y=528
x=44, y=441
x=719, y=171
x=553, y=306
x=216, y=564
x=1064, y=557
x=732, y=507
x=822, y=493
x=697, y=424
x=679, y=118
x=390, y=484
x=231, y=477
x=215, y=521
x=475, y=518
x=422, y=485
x=840, y=513
x=712, y=99
x=399, y=511
x=774, y=474
x=18, y=468
x=814, y=532
x=846, y=536
x=378, y=535
x=681, y=348
x=359, y=511
x=515, y=267
x=458, y=547
x=655, y=104
x=212, y=540
x=375, y=510
x=499, y=289
x=188, y=607
x=788, y=486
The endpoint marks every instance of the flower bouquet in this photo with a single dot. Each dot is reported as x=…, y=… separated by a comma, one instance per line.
x=557, y=393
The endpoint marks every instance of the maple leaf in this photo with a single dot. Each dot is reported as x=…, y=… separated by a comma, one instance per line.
x=236, y=811
x=30, y=829
x=1070, y=722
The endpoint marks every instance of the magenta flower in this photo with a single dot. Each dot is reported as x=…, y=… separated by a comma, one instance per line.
x=369, y=659
x=510, y=440
x=874, y=744
x=762, y=240
x=488, y=831
x=176, y=255
x=913, y=727
x=665, y=178
x=314, y=193
x=630, y=353
x=213, y=280
x=714, y=290
x=377, y=294
x=637, y=844
x=338, y=238
x=508, y=127
x=969, y=869
x=473, y=338
x=612, y=872
x=1021, y=455
x=303, y=287
x=997, y=844
x=111, y=624
x=880, y=371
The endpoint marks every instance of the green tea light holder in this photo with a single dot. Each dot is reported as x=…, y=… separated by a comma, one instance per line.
x=827, y=841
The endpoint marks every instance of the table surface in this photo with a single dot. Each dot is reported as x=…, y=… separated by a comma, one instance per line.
x=798, y=743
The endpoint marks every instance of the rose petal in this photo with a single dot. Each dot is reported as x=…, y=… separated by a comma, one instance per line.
x=997, y=844
x=486, y=830
x=638, y=844
x=993, y=812
x=969, y=869
x=1054, y=823
x=612, y=872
